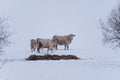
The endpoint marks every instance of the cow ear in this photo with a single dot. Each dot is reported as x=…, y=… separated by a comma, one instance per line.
x=72, y=35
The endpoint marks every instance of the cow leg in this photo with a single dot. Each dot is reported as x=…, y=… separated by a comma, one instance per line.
x=31, y=50
x=56, y=47
x=34, y=49
x=48, y=50
x=67, y=47
x=51, y=50
x=40, y=46
x=38, y=49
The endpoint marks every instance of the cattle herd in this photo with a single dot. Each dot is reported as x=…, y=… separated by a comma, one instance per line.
x=50, y=44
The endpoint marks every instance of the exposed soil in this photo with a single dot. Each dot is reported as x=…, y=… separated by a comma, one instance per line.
x=52, y=57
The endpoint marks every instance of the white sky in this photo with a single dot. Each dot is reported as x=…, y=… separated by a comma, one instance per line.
x=44, y=18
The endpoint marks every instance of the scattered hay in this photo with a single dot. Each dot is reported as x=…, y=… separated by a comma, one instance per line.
x=52, y=57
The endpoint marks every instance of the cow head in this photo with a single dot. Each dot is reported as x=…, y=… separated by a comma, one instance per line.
x=72, y=35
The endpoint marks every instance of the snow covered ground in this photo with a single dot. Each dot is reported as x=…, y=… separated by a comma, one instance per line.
x=104, y=65
x=32, y=19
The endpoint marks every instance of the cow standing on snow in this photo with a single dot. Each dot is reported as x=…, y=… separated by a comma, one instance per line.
x=45, y=43
x=63, y=40
x=33, y=45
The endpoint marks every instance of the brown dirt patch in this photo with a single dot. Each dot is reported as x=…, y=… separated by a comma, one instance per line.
x=52, y=57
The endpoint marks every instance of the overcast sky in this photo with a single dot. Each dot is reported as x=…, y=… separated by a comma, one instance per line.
x=44, y=18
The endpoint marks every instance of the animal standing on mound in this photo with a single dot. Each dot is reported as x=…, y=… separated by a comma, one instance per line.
x=63, y=40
